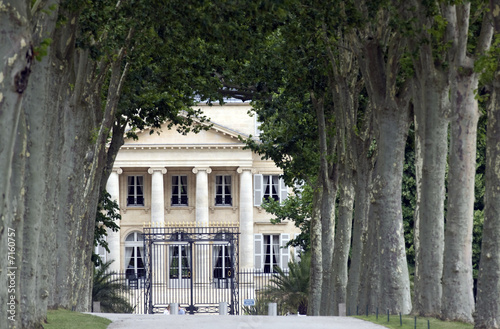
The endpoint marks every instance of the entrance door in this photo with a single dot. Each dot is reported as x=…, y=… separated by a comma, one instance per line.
x=179, y=262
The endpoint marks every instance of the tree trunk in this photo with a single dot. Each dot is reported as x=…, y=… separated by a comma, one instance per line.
x=385, y=210
x=458, y=298
x=431, y=132
x=488, y=283
x=57, y=143
x=316, y=276
x=387, y=285
x=342, y=237
x=328, y=238
x=362, y=176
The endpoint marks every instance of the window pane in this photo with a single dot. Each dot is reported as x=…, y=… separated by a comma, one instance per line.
x=174, y=262
x=184, y=185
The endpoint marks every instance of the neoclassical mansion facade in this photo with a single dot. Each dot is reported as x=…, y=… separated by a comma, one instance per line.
x=205, y=179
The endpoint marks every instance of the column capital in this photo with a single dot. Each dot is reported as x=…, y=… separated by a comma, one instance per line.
x=240, y=170
x=153, y=169
x=117, y=170
x=197, y=169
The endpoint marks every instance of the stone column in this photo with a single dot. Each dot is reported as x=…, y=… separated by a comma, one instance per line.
x=202, y=195
x=158, y=216
x=113, y=239
x=157, y=195
x=246, y=218
x=202, y=257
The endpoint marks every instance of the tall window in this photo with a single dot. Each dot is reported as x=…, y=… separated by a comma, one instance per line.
x=269, y=187
x=135, y=194
x=271, y=251
x=223, y=264
x=223, y=190
x=179, y=191
x=134, y=250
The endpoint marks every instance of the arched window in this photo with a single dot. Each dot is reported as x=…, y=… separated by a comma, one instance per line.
x=134, y=251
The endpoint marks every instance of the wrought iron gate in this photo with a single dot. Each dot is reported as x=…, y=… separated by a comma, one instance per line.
x=195, y=267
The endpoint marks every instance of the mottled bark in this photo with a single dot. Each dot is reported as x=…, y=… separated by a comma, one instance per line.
x=488, y=286
x=343, y=231
x=431, y=104
x=394, y=282
x=387, y=286
x=327, y=182
x=487, y=314
x=21, y=227
x=316, y=276
x=458, y=299
x=360, y=226
x=329, y=193
x=52, y=160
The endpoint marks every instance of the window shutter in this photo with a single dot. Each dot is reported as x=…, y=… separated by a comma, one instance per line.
x=258, y=252
x=257, y=189
x=284, y=251
x=283, y=190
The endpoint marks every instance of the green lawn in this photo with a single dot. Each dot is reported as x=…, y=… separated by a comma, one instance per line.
x=409, y=322
x=64, y=319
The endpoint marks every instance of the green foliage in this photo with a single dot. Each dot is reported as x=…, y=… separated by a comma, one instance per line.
x=297, y=208
x=260, y=307
x=107, y=216
x=291, y=289
x=487, y=64
x=479, y=190
x=408, y=196
x=42, y=50
x=106, y=289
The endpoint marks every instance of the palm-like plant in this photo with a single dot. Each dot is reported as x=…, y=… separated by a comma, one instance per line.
x=107, y=289
x=291, y=289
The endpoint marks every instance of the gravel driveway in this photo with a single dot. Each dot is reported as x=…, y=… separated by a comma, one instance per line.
x=160, y=321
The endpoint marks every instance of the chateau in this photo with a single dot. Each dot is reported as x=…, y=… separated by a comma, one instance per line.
x=207, y=179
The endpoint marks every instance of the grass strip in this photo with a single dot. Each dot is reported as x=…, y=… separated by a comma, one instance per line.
x=64, y=319
x=408, y=322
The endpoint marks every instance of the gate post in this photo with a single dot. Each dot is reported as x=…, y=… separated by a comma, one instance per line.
x=223, y=308
x=272, y=309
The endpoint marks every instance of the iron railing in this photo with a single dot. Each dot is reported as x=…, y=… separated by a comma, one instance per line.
x=252, y=286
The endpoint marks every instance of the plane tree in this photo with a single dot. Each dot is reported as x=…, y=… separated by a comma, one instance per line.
x=487, y=313
x=73, y=76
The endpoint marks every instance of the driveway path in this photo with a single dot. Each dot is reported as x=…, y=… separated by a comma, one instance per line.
x=160, y=321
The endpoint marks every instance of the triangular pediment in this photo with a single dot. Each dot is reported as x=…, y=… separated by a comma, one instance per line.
x=215, y=135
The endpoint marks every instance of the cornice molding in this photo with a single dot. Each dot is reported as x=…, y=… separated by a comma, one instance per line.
x=182, y=146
